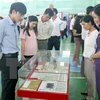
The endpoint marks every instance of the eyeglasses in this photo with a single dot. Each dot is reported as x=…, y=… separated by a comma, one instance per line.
x=21, y=15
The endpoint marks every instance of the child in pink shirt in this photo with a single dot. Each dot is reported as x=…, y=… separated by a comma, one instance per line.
x=28, y=38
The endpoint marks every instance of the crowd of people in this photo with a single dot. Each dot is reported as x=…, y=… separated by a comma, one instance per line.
x=44, y=32
x=85, y=31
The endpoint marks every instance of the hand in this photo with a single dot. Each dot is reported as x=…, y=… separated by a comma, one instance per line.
x=91, y=58
x=23, y=58
x=92, y=61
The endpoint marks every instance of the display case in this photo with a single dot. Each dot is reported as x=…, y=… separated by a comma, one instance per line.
x=45, y=76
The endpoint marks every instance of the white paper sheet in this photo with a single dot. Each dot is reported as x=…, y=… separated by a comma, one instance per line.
x=61, y=87
x=44, y=86
x=38, y=75
x=39, y=67
x=53, y=86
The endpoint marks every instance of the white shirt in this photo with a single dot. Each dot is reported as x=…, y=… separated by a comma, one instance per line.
x=21, y=23
x=84, y=33
x=72, y=23
x=57, y=27
x=90, y=44
x=64, y=24
x=44, y=29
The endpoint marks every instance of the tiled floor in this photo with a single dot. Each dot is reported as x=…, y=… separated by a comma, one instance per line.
x=77, y=83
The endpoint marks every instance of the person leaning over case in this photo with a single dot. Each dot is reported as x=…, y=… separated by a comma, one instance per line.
x=44, y=28
x=9, y=48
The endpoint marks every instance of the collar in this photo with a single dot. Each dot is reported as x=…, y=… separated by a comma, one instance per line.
x=10, y=21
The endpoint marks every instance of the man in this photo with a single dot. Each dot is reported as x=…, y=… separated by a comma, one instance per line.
x=9, y=48
x=71, y=28
x=45, y=28
x=54, y=40
x=64, y=33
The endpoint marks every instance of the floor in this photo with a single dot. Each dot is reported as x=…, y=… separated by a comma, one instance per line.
x=77, y=83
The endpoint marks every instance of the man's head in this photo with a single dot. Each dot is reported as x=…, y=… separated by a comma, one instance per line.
x=89, y=10
x=1, y=17
x=55, y=11
x=17, y=11
x=47, y=15
x=75, y=16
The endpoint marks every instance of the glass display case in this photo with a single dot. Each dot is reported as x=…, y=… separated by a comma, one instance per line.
x=45, y=76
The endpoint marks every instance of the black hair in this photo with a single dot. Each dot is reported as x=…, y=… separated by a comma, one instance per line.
x=49, y=12
x=75, y=15
x=30, y=19
x=78, y=19
x=97, y=10
x=89, y=9
x=37, y=15
x=1, y=17
x=64, y=18
x=88, y=19
x=55, y=10
x=18, y=7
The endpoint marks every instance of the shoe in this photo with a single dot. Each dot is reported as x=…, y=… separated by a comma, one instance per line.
x=84, y=93
x=84, y=99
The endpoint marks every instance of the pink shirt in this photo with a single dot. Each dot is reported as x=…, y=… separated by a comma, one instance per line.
x=30, y=42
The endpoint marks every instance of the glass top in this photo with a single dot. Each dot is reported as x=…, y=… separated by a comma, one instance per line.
x=46, y=61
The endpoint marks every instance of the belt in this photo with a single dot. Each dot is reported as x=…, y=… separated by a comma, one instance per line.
x=86, y=58
x=55, y=36
x=42, y=40
x=11, y=55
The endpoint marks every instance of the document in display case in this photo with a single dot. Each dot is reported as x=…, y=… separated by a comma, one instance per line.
x=52, y=68
x=53, y=86
x=31, y=85
x=45, y=76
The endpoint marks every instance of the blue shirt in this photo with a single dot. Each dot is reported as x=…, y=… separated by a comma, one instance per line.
x=9, y=36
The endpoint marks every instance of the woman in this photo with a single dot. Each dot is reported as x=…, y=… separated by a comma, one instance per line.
x=89, y=49
x=96, y=56
x=77, y=29
x=28, y=39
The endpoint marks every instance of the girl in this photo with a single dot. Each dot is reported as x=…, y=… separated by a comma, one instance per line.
x=28, y=39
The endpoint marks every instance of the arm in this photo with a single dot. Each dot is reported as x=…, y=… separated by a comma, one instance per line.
x=22, y=36
x=75, y=33
x=61, y=26
x=96, y=55
x=22, y=49
x=1, y=34
x=50, y=30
